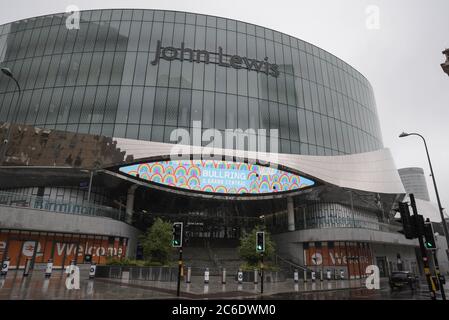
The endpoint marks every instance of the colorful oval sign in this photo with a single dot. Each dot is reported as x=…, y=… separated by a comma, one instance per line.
x=215, y=176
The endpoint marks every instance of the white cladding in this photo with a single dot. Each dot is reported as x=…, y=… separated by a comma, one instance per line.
x=371, y=171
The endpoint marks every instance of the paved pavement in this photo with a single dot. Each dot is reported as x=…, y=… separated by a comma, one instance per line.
x=36, y=286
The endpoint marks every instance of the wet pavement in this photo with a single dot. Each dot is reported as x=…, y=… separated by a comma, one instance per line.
x=36, y=287
x=197, y=289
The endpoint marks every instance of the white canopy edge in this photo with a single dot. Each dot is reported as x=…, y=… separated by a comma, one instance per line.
x=370, y=171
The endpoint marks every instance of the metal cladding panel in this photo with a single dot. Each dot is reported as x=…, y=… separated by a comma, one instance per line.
x=371, y=171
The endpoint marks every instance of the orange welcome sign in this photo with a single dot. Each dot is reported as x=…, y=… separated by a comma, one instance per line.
x=355, y=256
x=61, y=248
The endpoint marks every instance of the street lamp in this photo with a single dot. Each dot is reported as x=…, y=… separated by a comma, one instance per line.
x=7, y=72
x=446, y=233
x=445, y=65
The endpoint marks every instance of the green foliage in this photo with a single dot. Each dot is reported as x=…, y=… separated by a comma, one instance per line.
x=267, y=266
x=125, y=262
x=247, y=248
x=156, y=242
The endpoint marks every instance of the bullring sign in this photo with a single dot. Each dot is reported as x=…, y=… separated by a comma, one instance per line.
x=215, y=176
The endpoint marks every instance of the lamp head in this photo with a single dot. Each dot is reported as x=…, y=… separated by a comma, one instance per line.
x=403, y=134
x=445, y=65
x=6, y=71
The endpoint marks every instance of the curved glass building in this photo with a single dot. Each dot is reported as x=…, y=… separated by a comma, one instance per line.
x=100, y=79
x=89, y=142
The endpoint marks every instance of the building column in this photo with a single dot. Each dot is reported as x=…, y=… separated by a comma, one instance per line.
x=130, y=203
x=290, y=214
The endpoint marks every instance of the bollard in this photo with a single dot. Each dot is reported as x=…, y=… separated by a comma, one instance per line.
x=256, y=276
x=189, y=274
x=342, y=274
x=223, y=276
x=49, y=268
x=93, y=268
x=45, y=285
x=240, y=276
x=313, y=276
x=90, y=288
x=321, y=275
x=305, y=275
x=206, y=276
x=328, y=274
x=26, y=270
x=295, y=276
x=5, y=267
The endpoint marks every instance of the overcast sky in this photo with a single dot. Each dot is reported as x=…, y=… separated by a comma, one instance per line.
x=401, y=58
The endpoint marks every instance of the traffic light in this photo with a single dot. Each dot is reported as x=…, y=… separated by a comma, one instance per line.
x=260, y=241
x=177, y=235
x=429, y=236
x=408, y=222
x=419, y=225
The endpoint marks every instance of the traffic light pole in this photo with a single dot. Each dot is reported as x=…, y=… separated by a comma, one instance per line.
x=178, y=289
x=425, y=259
x=261, y=273
x=439, y=277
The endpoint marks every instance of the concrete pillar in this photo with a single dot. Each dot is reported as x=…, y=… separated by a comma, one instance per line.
x=130, y=203
x=290, y=214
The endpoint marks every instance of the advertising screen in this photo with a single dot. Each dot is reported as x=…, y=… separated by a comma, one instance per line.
x=216, y=176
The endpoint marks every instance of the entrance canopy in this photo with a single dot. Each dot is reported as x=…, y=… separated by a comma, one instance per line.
x=218, y=176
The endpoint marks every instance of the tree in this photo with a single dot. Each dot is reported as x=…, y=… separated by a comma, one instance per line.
x=156, y=242
x=247, y=248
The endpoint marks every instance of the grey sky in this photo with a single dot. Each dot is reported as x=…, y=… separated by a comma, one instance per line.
x=401, y=59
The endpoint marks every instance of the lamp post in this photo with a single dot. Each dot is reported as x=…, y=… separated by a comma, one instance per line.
x=445, y=65
x=446, y=233
x=7, y=72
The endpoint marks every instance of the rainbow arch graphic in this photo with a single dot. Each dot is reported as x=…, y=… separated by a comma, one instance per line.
x=218, y=176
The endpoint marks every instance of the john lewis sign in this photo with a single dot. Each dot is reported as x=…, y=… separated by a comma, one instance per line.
x=222, y=59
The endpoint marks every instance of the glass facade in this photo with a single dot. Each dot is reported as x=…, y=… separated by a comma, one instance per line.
x=99, y=79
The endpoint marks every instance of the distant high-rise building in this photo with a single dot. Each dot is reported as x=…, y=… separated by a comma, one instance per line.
x=414, y=182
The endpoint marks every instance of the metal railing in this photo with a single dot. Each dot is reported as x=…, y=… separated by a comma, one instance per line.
x=53, y=205
x=332, y=223
x=170, y=274
x=286, y=265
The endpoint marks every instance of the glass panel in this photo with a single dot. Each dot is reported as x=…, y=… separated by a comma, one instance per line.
x=197, y=106
x=208, y=110
x=231, y=112
x=185, y=100
x=172, y=107
x=160, y=106
x=220, y=111
x=123, y=104
x=135, y=105
x=147, y=105
x=242, y=113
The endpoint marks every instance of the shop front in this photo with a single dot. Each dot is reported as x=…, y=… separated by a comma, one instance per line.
x=348, y=257
x=62, y=248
